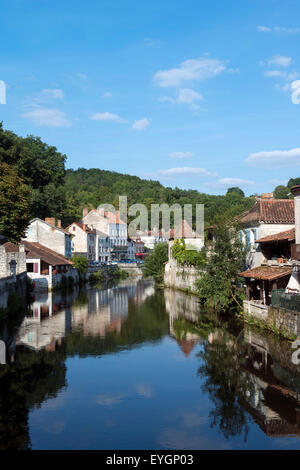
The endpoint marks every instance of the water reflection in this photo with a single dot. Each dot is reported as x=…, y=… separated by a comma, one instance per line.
x=136, y=367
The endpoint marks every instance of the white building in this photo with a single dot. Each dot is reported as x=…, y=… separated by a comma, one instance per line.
x=110, y=224
x=52, y=235
x=83, y=240
x=266, y=217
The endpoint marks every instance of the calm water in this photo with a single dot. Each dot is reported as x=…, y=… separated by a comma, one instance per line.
x=133, y=368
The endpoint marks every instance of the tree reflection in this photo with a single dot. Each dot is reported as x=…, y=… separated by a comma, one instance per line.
x=25, y=384
x=225, y=383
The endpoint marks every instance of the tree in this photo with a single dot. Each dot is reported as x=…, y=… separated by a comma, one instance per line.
x=293, y=182
x=185, y=256
x=155, y=263
x=80, y=263
x=15, y=203
x=281, y=192
x=41, y=167
x=235, y=190
x=217, y=287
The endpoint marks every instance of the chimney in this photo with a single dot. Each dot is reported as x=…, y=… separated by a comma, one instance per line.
x=295, y=190
x=84, y=227
x=85, y=212
x=59, y=223
x=50, y=220
x=101, y=211
x=267, y=196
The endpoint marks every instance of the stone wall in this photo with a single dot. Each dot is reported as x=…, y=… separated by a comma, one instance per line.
x=180, y=277
x=9, y=284
x=6, y=257
x=287, y=322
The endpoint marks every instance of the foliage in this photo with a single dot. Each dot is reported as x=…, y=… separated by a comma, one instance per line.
x=80, y=263
x=217, y=286
x=155, y=262
x=90, y=188
x=281, y=192
x=15, y=200
x=284, y=192
x=41, y=167
x=96, y=277
x=184, y=256
x=235, y=190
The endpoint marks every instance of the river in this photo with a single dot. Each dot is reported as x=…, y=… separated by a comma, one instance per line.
x=132, y=367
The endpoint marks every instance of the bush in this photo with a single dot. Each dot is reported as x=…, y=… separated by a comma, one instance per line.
x=80, y=263
x=189, y=257
x=155, y=263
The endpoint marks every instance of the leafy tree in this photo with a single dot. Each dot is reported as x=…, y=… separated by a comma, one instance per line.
x=217, y=287
x=155, y=262
x=41, y=167
x=235, y=190
x=15, y=201
x=293, y=182
x=281, y=192
x=80, y=263
x=184, y=256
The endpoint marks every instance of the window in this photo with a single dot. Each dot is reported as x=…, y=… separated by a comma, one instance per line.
x=30, y=267
x=74, y=228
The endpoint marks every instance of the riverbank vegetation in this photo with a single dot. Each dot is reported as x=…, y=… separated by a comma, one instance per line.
x=155, y=262
x=186, y=255
x=218, y=285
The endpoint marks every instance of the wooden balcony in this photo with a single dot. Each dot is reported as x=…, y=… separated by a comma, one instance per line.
x=295, y=252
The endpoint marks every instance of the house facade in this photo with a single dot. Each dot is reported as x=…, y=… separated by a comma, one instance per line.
x=110, y=224
x=46, y=267
x=83, y=240
x=267, y=217
x=50, y=233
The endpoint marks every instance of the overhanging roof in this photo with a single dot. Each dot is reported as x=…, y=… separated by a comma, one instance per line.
x=267, y=273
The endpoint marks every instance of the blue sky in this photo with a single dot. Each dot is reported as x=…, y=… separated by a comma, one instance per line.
x=198, y=94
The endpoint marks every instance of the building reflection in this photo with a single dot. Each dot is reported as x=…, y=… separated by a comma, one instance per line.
x=96, y=312
x=181, y=307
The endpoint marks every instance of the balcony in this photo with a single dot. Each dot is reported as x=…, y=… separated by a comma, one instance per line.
x=295, y=252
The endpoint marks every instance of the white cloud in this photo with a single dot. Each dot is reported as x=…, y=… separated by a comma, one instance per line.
x=274, y=73
x=189, y=70
x=108, y=400
x=279, y=158
x=295, y=87
x=278, y=29
x=141, y=124
x=48, y=117
x=280, y=61
x=264, y=29
x=180, y=155
x=186, y=171
x=107, y=94
x=228, y=182
x=107, y=117
x=54, y=93
x=186, y=95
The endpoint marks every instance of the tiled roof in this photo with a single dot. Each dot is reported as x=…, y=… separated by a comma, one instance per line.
x=272, y=211
x=83, y=227
x=35, y=250
x=267, y=273
x=53, y=226
x=287, y=235
x=11, y=247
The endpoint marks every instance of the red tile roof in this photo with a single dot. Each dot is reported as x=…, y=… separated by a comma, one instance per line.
x=287, y=235
x=267, y=273
x=272, y=211
x=35, y=250
x=83, y=227
x=11, y=247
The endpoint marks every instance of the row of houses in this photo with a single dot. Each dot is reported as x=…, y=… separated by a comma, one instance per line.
x=271, y=234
